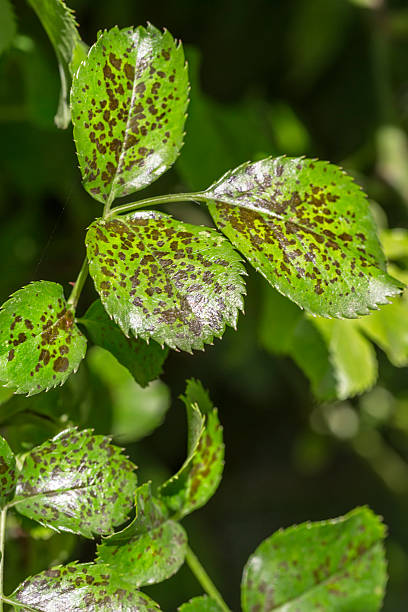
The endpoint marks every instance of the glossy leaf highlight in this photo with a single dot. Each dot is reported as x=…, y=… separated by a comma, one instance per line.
x=159, y=278
x=129, y=100
x=40, y=345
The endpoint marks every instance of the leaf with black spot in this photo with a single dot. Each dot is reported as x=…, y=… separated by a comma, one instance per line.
x=197, y=480
x=83, y=586
x=144, y=361
x=8, y=473
x=202, y=603
x=307, y=228
x=59, y=23
x=40, y=345
x=332, y=565
x=151, y=549
x=159, y=278
x=129, y=101
x=77, y=482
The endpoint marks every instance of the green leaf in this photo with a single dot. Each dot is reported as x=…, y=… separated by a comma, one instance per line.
x=159, y=278
x=200, y=604
x=7, y=25
x=144, y=361
x=129, y=100
x=59, y=23
x=395, y=243
x=306, y=226
x=335, y=565
x=197, y=480
x=151, y=549
x=8, y=475
x=40, y=345
x=83, y=586
x=77, y=482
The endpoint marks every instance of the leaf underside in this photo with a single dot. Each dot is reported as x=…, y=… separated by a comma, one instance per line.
x=144, y=361
x=335, y=565
x=86, y=586
x=306, y=226
x=40, y=345
x=159, y=278
x=129, y=100
x=77, y=482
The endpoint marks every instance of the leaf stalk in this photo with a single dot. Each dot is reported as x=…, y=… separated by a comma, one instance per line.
x=79, y=284
x=204, y=579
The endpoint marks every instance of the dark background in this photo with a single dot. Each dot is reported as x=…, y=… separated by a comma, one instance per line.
x=314, y=77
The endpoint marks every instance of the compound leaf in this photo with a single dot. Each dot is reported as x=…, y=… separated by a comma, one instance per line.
x=84, y=586
x=59, y=23
x=306, y=226
x=159, y=278
x=40, y=345
x=144, y=361
x=77, y=482
x=8, y=474
x=129, y=100
x=151, y=549
x=335, y=565
x=200, y=604
x=197, y=480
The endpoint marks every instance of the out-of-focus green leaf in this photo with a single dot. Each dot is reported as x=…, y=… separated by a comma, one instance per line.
x=197, y=480
x=144, y=361
x=159, y=278
x=8, y=475
x=200, y=604
x=82, y=586
x=136, y=412
x=7, y=25
x=395, y=243
x=59, y=23
x=335, y=565
x=40, y=345
x=306, y=226
x=151, y=549
x=129, y=100
x=76, y=482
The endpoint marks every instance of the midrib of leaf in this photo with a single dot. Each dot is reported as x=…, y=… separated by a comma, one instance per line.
x=111, y=196
x=339, y=572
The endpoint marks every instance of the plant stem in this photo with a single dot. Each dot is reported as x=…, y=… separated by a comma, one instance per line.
x=3, y=516
x=163, y=199
x=79, y=283
x=204, y=579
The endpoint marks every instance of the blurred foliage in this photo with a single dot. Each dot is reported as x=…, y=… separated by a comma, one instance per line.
x=325, y=79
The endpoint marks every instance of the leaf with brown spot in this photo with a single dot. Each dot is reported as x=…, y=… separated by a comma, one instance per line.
x=59, y=23
x=82, y=586
x=129, y=101
x=151, y=549
x=159, y=278
x=334, y=565
x=77, y=482
x=307, y=228
x=40, y=345
x=144, y=361
x=198, y=479
x=8, y=473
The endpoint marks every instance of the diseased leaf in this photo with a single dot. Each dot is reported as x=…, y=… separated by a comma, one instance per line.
x=200, y=604
x=197, y=480
x=40, y=345
x=335, y=565
x=306, y=226
x=83, y=586
x=77, y=482
x=159, y=278
x=7, y=24
x=144, y=361
x=151, y=549
x=59, y=23
x=129, y=101
x=8, y=474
